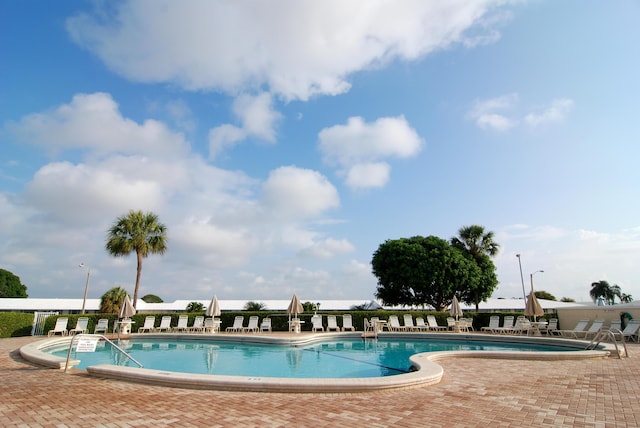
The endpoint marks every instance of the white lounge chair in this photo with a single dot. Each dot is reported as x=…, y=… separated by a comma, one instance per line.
x=433, y=324
x=81, y=326
x=394, y=324
x=631, y=331
x=253, y=324
x=332, y=323
x=408, y=322
x=494, y=322
x=616, y=324
x=237, y=324
x=102, y=326
x=60, y=327
x=579, y=328
x=165, y=324
x=592, y=331
x=316, y=323
x=265, y=325
x=198, y=324
x=149, y=325
x=507, y=325
x=183, y=323
x=421, y=325
x=347, y=323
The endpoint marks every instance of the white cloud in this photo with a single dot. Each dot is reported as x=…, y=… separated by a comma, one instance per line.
x=555, y=112
x=484, y=113
x=328, y=248
x=295, y=48
x=93, y=121
x=357, y=147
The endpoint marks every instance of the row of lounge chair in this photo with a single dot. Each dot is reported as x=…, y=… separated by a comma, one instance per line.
x=583, y=330
x=431, y=324
x=200, y=325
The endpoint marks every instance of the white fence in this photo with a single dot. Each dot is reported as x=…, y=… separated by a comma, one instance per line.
x=38, y=322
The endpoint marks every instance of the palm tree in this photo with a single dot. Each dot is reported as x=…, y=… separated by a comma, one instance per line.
x=111, y=301
x=602, y=290
x=139, y=232
x=194, y=307
x=480, y=245
x=254, y=306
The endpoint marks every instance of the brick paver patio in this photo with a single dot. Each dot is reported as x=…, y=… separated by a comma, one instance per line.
x=473, y=393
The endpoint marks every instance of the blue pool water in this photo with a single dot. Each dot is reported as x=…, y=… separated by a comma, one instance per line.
x=343, y=358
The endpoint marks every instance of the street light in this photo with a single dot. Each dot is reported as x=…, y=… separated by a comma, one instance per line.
x=531, y=277
x=524, y=293
x=317, y=307
x=86, y=286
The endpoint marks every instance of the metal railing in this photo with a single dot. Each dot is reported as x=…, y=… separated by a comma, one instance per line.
x=98, y=336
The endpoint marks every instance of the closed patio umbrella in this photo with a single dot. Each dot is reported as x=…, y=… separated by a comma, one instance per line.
x=295, y=307
x=214, y=308
x=455, y=309
x=533, y=307
x=127, y=310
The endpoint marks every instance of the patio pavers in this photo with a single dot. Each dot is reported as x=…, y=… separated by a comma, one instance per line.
x=473, y=393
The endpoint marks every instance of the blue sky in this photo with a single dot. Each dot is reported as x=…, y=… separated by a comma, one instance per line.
x=282, y=142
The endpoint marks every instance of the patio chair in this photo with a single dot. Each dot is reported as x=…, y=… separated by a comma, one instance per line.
x=198, y=325
x=466, y=324
x=591, y=332
x=579, y=328
x=347, y=323
x=494, y=322
x=420, y=324
x=433, y=323
x=237, y=324
x=81, y=326
x=165, y=324
x=522, y=326
x=394, y=324
x=102, y=326
x=183, y=323
x=60, y=327
x=253, y=324
x=149, y=325
x=632, y=331
x=265, y=325
x=211, y=325
x=408, y=322
x=332, y=323
x=451, y=323
x=507, y=325
x=368, y=326
x=316, y=323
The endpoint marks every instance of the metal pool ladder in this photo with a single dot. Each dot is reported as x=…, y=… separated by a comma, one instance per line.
x=98, y=336
x=610, y=335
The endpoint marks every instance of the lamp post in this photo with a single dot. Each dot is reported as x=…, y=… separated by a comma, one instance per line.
x=317, y=307
x=531, y=277
x=524, y=293
x=86, y=287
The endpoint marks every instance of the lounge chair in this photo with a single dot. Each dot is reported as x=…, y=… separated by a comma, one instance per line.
x=522, y=326
x=394, y=324
x=265, y=325
x=198, y=324
x=617, y=325
x=316, y=323
x=237, y=324
x=420, y=324
x=102, y=326
x=632, y=331
x=81, y=326
x=507, y=325
x=408, y=322
x=183, y=323
x=253, y=324
x=592, y=331
x=494, y=322
x=60, y=327
x=149, y=325
x=332, y=323
x=433, y=324
x=579, y=328
x=466, y=324
x=550, y=327
x=347, y=323
x=165, y=324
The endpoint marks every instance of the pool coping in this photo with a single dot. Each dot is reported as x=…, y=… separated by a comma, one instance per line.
x=427, y=372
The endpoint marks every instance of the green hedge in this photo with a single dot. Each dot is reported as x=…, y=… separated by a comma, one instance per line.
x=15, y=324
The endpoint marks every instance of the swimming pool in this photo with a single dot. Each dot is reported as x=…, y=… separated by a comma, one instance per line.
x=337, y=358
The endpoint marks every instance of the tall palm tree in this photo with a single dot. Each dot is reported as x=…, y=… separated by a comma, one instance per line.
x=480, y=245
x=137, y=232
x=602, y=290
x=111, y=301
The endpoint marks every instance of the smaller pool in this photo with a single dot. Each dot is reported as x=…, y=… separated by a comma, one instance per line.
x=341, y=358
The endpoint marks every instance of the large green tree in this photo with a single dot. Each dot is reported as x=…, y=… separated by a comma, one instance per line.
x=602, y=290
x=10, y=285
x=111, y=301
x=422, y=271
x=480, y=247
x=137, y=232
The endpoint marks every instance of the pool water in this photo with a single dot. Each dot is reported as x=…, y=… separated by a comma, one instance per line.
x=343, y=358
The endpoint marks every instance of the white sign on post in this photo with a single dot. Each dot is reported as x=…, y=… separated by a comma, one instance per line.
x=87, y=344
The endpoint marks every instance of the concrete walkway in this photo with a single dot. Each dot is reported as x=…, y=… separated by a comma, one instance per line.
x=473, y=393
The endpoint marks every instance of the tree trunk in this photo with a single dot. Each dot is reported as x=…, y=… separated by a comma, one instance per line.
x=138, y=274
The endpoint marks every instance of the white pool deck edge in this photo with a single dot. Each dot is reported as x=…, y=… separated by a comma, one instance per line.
x=428, y=371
